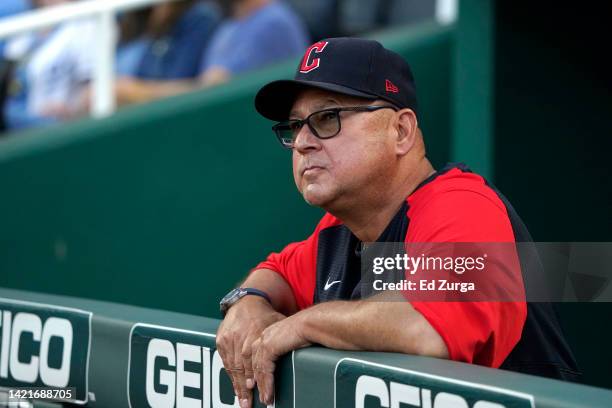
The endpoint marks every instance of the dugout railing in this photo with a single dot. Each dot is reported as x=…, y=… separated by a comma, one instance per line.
x=113, y=355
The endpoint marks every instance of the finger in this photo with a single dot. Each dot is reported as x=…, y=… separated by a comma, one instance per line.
x=257, y=372
x=222, y=341
x=265, y=385
x=264, y=373
x=269, y=397
x=238, y=373
x=247, y=361
x=225, y=346
x=221, y=350
x=267, y=374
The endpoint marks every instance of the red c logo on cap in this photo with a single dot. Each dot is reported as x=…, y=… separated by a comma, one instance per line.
x=318, y=47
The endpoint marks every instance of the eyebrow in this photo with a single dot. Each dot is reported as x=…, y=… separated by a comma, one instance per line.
x=327, y=103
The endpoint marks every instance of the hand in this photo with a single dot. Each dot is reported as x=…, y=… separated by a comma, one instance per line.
x=275, y=341
x=128, y=90
x=63, y=112
x=243, y=324
x=214, y=76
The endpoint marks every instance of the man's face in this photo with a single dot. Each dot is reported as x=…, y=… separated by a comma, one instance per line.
x=356, y=164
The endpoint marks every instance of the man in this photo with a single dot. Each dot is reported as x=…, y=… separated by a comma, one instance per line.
x=51, y=68
x=235, y=48
x=350, y=118
x=165, y=41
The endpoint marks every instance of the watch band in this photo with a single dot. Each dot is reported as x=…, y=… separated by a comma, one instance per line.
x=236, y=294
x=257, y=292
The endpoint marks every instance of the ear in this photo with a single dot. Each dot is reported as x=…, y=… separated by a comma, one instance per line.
x=406, y=127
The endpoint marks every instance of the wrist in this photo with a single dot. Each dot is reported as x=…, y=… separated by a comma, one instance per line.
x=236, y=295
x=250, y=307
x=252, y=302
x=303, y=324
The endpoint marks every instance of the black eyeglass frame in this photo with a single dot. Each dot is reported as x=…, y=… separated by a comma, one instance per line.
x=300, y=122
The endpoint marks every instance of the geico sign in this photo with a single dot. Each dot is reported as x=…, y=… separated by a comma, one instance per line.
x=36, y=362
x=358, y=382
x=44, y=345
x=176, y=368
x=174, y=380
x=396, y=394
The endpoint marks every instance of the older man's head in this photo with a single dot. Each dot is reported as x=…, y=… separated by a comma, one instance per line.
x=363, y=154
x=350, y=118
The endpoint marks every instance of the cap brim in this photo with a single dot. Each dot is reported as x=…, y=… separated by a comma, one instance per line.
x=275, y=100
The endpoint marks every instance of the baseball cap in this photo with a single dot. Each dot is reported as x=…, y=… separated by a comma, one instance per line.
x=350, y=66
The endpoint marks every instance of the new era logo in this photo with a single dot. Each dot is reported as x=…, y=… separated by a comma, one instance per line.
x=390, y=87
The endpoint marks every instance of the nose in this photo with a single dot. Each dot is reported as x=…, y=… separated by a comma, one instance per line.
x=305, y=141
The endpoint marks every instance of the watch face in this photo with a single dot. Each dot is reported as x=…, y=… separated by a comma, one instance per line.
x=232, y=297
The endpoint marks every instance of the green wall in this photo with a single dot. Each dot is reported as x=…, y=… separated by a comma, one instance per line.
x=473, y=73
x=553, y=142
x=168, y=205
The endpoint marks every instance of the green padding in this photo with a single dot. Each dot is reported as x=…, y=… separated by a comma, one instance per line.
x=141, y=344
x=168, y=205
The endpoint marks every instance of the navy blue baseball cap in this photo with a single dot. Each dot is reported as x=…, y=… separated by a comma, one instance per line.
x=349, y=66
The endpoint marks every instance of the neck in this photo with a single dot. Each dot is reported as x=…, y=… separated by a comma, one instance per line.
x=372, y=216
x=247, y=7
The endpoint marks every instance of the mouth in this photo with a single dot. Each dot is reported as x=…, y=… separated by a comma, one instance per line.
x=311, y=169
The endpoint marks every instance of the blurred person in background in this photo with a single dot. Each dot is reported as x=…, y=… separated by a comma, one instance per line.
x=51, y=68
x=166, y=41
x=237, y=46
x=52, y=78
x=162, y=42
x=258, y=33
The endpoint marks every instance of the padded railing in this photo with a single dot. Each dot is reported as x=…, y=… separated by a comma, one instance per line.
x=118, y=356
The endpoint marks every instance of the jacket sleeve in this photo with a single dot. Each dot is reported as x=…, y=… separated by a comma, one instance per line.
x=482, y=332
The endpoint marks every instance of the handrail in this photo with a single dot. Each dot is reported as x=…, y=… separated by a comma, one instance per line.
x=119, y=353
x=103, y=101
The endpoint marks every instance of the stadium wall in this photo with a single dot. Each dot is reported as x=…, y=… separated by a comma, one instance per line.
x=117, y=356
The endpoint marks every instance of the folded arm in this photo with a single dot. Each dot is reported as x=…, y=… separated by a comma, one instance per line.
x=130, y=90
x=386, y=323
x=244, y=323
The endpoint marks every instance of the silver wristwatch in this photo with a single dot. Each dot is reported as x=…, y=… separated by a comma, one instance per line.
x=236, y=294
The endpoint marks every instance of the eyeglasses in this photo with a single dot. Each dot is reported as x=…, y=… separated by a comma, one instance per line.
x=324, y=124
